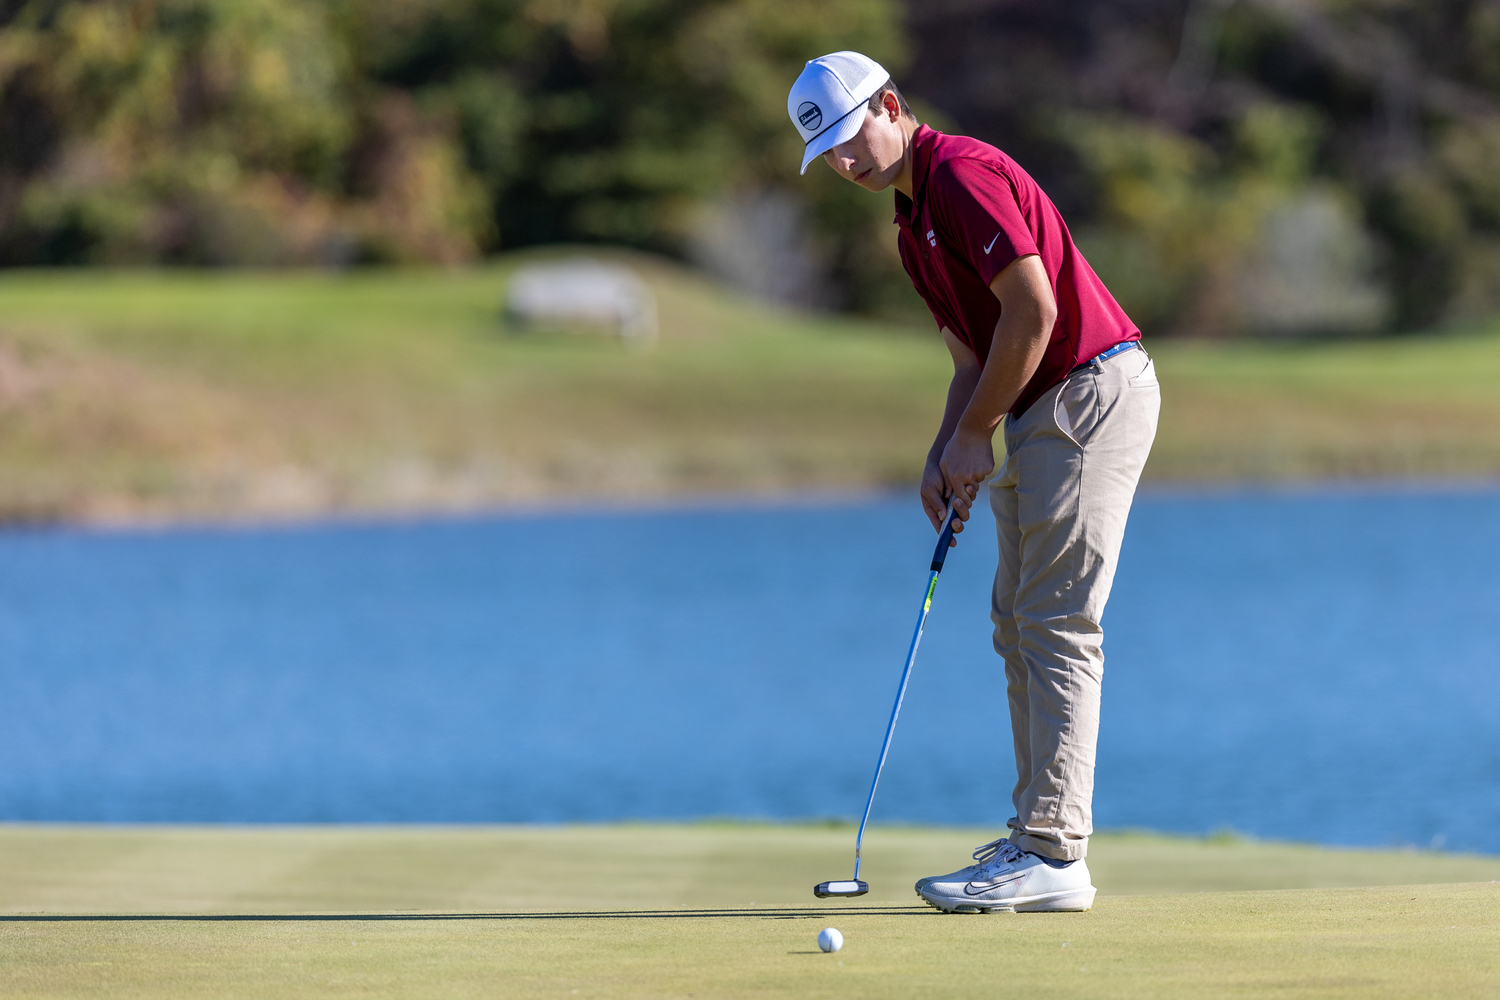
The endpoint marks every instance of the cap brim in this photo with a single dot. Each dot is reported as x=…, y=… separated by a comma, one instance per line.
x=841, y=131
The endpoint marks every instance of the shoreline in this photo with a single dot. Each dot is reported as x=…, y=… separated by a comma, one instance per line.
x=701, y=502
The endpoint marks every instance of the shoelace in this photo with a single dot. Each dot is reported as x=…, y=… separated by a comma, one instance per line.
x=1001, y=851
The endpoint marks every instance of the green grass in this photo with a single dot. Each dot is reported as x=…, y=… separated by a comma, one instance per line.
x=170, y=394
x=713, y=910
x=1399, y=407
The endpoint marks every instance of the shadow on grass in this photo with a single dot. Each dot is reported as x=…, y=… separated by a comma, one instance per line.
x=769, y=913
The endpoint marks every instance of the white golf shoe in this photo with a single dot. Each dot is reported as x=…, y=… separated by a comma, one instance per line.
x=1011, y=881
x=981, y=856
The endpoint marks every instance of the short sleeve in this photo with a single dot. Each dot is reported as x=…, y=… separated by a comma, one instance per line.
x=974, y=204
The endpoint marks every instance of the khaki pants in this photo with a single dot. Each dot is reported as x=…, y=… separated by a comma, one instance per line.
x=1061, y=499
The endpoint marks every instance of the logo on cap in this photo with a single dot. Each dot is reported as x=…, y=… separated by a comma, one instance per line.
x=810, y=115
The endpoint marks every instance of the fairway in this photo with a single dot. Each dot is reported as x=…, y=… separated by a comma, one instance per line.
x=713, y=910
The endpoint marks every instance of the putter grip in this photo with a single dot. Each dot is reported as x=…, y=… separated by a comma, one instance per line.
x=942, y=546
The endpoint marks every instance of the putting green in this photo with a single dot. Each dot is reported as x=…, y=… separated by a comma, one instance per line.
x=712, y=910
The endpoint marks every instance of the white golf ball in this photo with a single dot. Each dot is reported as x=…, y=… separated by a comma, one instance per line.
x=829, y=939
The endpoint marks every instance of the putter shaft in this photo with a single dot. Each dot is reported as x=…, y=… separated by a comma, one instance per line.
x=911, y=657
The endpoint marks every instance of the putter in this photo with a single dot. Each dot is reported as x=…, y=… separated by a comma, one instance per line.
x=854, y=887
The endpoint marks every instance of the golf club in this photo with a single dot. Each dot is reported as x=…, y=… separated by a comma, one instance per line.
x=854, y=887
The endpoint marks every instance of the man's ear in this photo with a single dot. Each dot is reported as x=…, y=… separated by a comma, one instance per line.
x=891, y=105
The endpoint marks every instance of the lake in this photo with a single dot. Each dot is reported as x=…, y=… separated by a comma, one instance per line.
x=1314, y=665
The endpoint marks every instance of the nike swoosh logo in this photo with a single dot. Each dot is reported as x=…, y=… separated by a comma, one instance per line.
x=992, y=243
x=969, y=889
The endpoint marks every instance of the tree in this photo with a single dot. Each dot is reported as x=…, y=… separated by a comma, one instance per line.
x=1192, y=138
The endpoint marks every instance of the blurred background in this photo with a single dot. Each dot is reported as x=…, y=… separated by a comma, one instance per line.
x=1239, y=172
x=1258, y=167
x=292, y=260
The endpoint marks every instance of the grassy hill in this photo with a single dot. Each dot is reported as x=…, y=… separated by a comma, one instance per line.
x=144, y=395
x=713, y=910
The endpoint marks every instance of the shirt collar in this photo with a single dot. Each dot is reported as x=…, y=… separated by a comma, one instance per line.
x=922, y=142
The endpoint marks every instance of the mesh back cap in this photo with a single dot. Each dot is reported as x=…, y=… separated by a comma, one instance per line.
x=825, y=101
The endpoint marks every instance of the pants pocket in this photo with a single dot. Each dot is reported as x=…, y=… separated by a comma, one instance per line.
x=1146, y=376
x=1075, y=410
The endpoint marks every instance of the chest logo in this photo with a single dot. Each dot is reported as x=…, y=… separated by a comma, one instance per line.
x=810, y=115
x=992, y=244
x=932, y=237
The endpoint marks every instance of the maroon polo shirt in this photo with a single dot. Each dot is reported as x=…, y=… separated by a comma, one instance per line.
x=972, y=212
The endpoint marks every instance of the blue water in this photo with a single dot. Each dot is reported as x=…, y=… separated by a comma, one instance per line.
x=1317, y=666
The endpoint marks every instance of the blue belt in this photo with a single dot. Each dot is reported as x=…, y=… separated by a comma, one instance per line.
x=1119, y=348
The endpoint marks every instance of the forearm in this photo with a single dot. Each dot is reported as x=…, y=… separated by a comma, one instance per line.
x=960, y=392
x=1027, y=315
x=1020, y=340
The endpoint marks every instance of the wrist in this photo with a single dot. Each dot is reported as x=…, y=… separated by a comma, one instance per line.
x=972, y=430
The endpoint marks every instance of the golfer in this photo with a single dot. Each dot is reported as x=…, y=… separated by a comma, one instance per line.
x=1040, y=345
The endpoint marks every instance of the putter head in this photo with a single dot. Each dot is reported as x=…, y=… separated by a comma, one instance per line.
x=854, y=887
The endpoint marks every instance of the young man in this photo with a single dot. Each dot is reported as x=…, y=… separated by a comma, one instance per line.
x=1039, y=343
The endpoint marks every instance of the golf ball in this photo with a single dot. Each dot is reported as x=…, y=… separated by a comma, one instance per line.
x=829, y=939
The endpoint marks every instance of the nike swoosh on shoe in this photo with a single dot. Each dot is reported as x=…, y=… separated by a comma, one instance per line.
x=969, y=889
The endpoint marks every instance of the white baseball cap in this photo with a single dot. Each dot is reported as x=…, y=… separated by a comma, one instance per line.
x=825, y=100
